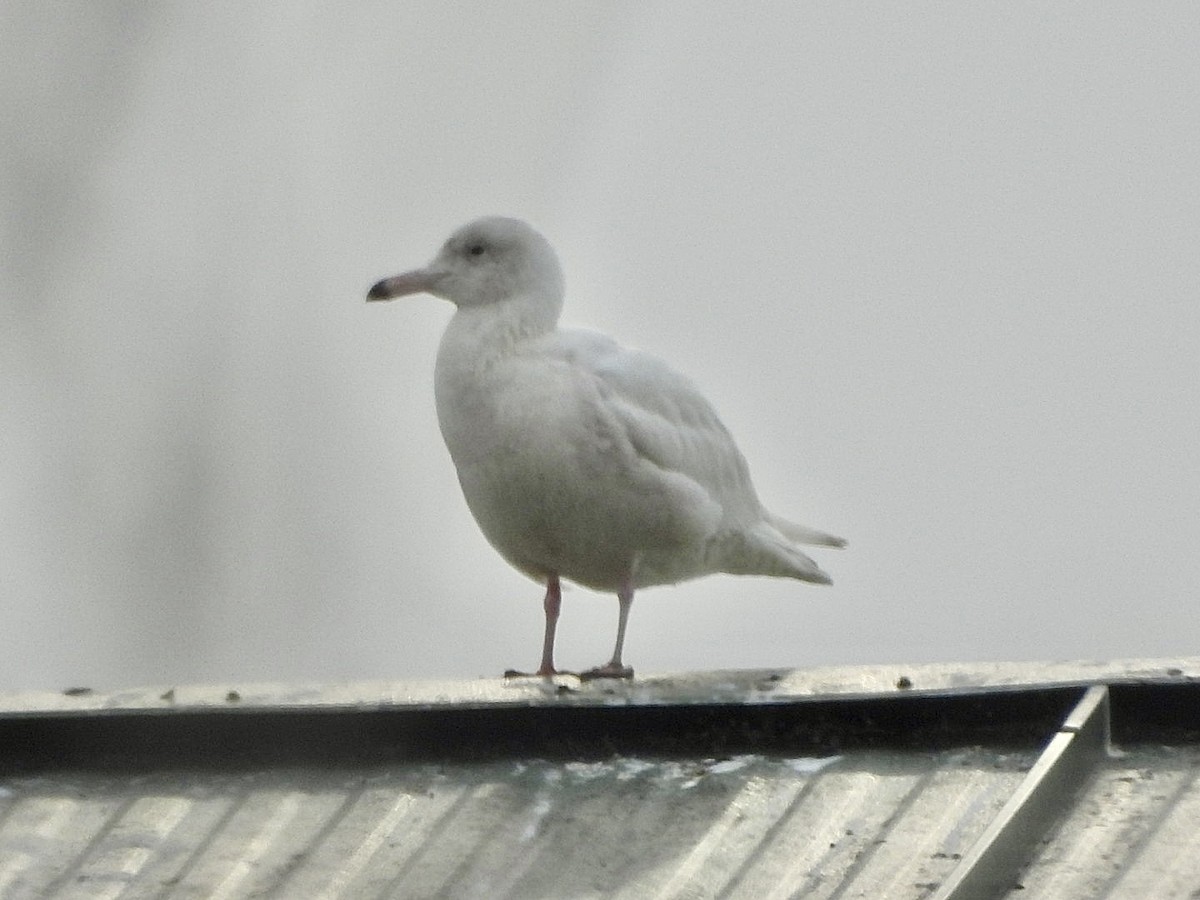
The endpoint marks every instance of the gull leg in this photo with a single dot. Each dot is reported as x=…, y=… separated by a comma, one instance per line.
x=551, y=605
x=614, y=668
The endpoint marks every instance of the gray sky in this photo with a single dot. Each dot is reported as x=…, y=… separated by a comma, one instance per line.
x=936, y=266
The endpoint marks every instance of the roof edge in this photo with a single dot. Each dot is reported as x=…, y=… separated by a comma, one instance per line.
x=741, y=687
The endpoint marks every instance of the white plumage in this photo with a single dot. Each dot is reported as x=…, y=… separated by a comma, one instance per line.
x=579, y=458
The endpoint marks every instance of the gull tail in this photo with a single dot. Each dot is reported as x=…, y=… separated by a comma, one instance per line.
x=802, y=534
x=763, y=549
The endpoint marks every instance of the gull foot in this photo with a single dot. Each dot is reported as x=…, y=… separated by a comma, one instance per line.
x=608, y=670
x=517, y=673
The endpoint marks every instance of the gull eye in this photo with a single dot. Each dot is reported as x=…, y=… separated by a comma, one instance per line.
x=476, y=249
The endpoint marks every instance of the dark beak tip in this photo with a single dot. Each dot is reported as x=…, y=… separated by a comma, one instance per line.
x=378, y=291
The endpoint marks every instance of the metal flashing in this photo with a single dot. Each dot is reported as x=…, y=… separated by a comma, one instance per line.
x=991, y=867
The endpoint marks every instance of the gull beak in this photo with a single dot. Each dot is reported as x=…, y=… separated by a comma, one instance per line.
x=418, y=281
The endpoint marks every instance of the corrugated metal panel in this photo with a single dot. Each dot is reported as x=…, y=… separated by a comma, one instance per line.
x=1065, y=766
x=730, y=785
x=1134, y=835
x=881, y=824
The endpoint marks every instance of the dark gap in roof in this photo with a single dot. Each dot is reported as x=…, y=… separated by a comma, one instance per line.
x=127, y=740
x=1155, y=713
x=191, y=738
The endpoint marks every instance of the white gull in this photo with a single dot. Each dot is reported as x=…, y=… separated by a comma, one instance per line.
x=580, y=458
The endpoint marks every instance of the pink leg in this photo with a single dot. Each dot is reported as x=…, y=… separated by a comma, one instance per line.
x=551, y=604
x=614, y=668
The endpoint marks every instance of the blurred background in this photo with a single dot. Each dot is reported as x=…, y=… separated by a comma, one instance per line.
x=936, y=265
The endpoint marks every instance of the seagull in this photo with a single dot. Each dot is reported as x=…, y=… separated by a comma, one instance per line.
x=581, y=459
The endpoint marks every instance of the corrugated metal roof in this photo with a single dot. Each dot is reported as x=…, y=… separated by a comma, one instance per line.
x=749, y=826
x=831, y=783
x=1133, y=834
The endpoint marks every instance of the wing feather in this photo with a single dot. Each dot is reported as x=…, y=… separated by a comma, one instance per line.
x=669, y=423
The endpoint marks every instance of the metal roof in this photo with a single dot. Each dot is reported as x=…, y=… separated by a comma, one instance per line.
x=1134, y=832
x=885, y=782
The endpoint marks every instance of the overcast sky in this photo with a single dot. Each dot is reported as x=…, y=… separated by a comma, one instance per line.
x=936, y=265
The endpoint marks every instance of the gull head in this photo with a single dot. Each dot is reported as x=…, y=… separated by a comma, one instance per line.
x=487, y=261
